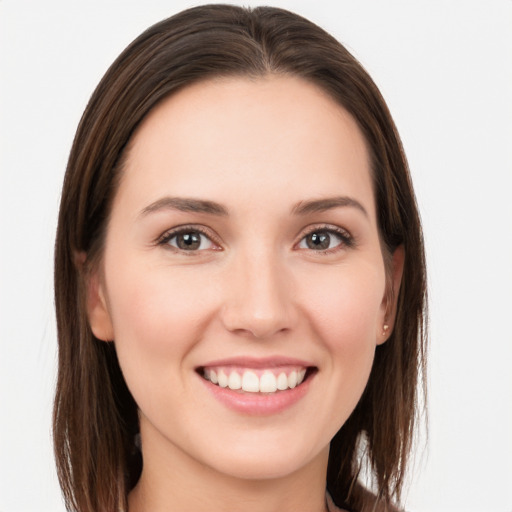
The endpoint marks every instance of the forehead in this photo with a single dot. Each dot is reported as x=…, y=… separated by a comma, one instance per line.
x=279, y=133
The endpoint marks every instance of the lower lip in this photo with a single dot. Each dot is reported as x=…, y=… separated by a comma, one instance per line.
x=258, y=404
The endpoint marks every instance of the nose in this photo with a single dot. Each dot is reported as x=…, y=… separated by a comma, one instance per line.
x=259, y=299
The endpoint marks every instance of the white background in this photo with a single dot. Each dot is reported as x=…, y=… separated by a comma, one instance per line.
x=445, y=68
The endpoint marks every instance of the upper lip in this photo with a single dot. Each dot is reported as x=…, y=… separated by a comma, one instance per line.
x=258, y=363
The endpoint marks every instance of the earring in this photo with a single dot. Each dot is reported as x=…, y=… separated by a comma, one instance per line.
x=385, y=328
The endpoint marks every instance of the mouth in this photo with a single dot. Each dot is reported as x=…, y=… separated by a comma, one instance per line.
x=258, y=386
x=263, y=381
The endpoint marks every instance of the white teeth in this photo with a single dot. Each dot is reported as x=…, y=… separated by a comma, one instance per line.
x=268, y=383
x=223, y=379
x=235, y=381
x=282, y=381
x=292, y=379
x=250, y=382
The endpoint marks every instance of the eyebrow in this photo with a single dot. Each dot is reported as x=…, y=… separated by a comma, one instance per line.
x=210, y=207
x=183, y=204
x=328, y=203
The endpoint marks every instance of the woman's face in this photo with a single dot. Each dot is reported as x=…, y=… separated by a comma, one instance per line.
x=243, y=250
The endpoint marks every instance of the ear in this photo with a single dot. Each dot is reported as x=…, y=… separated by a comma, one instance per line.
x=389, y=302
x=96, y=302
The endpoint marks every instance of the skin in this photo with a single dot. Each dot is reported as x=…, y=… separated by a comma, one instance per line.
x=260, y=149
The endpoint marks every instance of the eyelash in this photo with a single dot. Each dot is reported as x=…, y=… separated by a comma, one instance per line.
x=347, y=241
x=169, y=235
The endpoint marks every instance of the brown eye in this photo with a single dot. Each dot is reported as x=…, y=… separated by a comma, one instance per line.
x=325, y=240
x=318, y=241
x=190, y=241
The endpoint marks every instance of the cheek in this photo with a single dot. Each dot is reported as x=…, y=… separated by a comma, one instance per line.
x=347, y=301
x=155, y=311
x=343, y=306
x=345, y=309
x=156, y=324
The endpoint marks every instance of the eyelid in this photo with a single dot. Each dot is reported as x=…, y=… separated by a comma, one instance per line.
x=164, y=238
x=348, y=240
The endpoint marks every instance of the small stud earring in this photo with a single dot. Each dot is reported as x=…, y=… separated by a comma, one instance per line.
x=385, y=328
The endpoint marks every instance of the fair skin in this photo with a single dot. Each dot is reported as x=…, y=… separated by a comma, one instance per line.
x=243, y=240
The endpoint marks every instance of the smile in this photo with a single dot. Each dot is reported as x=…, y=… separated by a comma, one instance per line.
x=271, y=380
x=258, y=386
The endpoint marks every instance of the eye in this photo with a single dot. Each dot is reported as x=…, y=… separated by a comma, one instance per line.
x=188, y=239
x=325, y=240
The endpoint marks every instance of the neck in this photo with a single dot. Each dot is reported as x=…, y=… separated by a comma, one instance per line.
x=173, y=481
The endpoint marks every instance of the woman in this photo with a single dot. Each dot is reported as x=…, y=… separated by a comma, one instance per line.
x=239, y=275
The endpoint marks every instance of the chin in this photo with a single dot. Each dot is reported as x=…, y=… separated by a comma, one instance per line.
x=261, y=464
x=259, y=470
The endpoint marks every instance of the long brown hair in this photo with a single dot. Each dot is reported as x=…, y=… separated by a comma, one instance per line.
x=95, y=416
